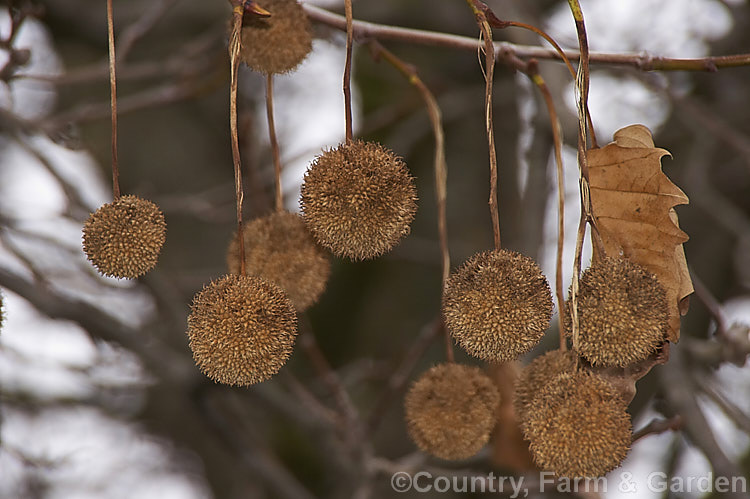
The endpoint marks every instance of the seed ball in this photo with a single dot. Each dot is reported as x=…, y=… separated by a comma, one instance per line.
x=538, y=373
x=497, y=305
x=358, y=200
x=279, y=43
x=578, y=426
x=241, y=329
x=280, y=248
x=451, y=411
x=124, y=238
x=2, y=312
x=622, y=313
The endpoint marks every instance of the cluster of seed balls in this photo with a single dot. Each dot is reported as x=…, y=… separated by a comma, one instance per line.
x=357, y=200
x=574, y=419
x=497, y=306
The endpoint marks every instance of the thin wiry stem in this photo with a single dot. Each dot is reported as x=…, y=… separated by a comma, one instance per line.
x=235, y=45
x=440, y=165
x=533, y=73
x=348, y=71
x=113, y=98
x=279, y=196
x=582, y=88
x=489, y=74
x=497, y=23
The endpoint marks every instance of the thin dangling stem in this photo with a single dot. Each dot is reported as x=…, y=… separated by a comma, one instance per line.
x=235, y=44
x=279, y=197
x=113, y=99
x=582, y=87
x=489, y=74
x=440, y=165
x=348, y=71
x=533, y=73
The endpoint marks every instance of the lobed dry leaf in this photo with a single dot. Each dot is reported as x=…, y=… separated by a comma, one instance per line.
x=633, y=202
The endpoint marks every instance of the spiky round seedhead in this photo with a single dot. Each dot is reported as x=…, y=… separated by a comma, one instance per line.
x=278, y=43
x=124, y=238
x=280, y=248
x=242, y=329
x=451, y=410
x=497, y=305
x=2, y=312
x=358, y=200
x=578, y=426
x=622, y=313
x=538, y=373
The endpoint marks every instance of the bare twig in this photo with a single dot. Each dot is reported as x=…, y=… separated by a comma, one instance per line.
x=681, y=398
x=157, y=357
x=332, y=380
x=143, y=25
x=657, y=426
x=734, y=413
x=400, y=376
x=645, y=62
x=253, y=456
x=711, y=303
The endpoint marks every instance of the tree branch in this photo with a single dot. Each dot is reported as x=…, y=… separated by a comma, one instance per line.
x=643, y=61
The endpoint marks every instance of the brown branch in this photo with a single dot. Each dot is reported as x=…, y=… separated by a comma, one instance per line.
x=156, y=356
x=310, y=346
x=680, y=396
x=711, y=303
x=740, y=419
x=645, y=62
x=657, y=426
x=143, y=25
x=397, y=381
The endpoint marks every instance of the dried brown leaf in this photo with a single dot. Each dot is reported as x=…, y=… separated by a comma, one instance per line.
x=633, y=202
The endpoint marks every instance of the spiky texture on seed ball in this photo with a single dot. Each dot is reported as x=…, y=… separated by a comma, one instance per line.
x=358, y=200
x=578, y=426
x=279, y=43
x=535, y=375
x=124, y=238
x=242, y=329
x=451, y=410
x=2, y=312
x=622, y=313
x=280, y=248
x=497, y=305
